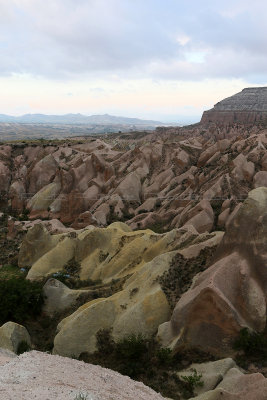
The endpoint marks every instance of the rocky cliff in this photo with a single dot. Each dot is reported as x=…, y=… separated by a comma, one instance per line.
x=247, y=107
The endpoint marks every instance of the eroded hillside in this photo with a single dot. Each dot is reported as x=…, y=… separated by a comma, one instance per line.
x=154, y=183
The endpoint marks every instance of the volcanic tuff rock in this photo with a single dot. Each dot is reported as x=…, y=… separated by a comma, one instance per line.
x=36, y=375
x=238, y=386
x=247, y=107
x=155, y=268
x=231, y=293
x=12, y=334
x=223, y=379
x=6, y=356
x=157, y=184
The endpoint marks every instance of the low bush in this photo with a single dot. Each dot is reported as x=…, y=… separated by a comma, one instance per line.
x=73, y=267
x=142, y=359
x=23, y=347
x=19, y=299
x=193, y=381
x=252, y=343
x=131, y=352
x=164, y=355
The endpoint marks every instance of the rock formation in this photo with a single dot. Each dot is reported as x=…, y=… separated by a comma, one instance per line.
x=11, y=335
x=143, y=258
x=43, y=376
x=223, y=379
x=163, y=234
x=248, y=107
x=159, y=184
x=231, y=293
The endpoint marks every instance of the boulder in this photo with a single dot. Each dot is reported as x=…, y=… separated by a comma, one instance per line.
x=58, y=297
x=12, y=334
x=212, y=372
x=238, y=386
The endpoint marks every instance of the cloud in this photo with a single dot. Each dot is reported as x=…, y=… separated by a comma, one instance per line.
x=155, y=39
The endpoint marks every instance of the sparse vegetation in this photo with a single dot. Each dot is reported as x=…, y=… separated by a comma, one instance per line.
x=82, y=396
x=19, y=299
x=251, y=347
x=72, y=268
x=8, y=271
x=193, y=381
x=157, y=227
x=164, y=355
x=143, y=360
x=23, y=347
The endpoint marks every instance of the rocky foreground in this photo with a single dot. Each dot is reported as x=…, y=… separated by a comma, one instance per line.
x=41, y=376
x=165, y=238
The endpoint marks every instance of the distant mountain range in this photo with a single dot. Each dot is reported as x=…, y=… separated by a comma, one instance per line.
x=104, y=119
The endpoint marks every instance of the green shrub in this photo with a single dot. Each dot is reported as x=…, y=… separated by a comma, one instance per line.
x=23, y=347
x=252, y=343
x=105, y=343
x=19, y=299
x=72, y=267
x=132, y=347
x=157, y=227
x=192, y=381
x=131, y=353
x=164, y=356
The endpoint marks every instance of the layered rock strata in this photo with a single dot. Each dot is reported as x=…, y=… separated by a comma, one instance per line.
x=247, y=107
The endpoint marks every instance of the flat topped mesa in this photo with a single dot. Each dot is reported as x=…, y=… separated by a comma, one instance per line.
x=247, y=107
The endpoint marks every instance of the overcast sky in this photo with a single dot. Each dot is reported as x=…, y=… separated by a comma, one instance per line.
x=160, y=59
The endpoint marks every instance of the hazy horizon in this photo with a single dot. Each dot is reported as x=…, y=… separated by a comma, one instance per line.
x=170, y=119
x=166, y=61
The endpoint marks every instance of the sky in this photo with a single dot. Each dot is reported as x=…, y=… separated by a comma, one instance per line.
x=156, y=59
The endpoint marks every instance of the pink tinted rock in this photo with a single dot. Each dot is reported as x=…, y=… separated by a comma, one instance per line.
x=222, y=218
x=17, y=195
x=5, y=177
x=260, y=179
x=232, y=293
x=43, y=173
x=101, y=214
x=264, y=162
x=84, y=220
x=130, y=188
x=202, y=222
x=182, y=159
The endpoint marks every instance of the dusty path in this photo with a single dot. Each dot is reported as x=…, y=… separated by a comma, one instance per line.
x=41, y=376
